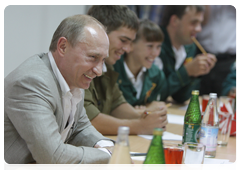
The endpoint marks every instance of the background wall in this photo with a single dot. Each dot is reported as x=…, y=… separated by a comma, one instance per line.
x=28, y=30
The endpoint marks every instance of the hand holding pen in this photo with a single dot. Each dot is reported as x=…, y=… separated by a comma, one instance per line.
x=154, y=118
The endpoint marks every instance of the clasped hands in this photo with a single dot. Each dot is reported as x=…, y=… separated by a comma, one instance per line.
x=153, y=116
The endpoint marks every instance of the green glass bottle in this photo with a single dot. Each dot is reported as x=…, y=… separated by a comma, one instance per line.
x=192, y=120
x=155, y=154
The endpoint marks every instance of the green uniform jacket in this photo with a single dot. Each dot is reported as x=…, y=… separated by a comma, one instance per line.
x=154, y=84
x=180, y=84
x=103, y=95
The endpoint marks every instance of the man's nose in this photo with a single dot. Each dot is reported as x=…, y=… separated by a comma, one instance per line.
x=98, y=69
x=126, y=48
x=198, y=28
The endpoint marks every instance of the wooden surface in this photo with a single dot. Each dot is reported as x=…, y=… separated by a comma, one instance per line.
x=139, y=144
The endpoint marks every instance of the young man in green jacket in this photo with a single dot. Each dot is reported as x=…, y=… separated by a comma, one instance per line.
x=141, y=82
x=105, y=105
x=177, y=59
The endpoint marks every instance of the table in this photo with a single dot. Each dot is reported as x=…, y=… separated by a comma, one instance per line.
x=139, y=144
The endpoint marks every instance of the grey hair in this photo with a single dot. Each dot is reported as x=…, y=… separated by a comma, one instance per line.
x=72, y=28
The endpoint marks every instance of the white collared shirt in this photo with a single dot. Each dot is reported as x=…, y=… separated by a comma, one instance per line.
x=138, y=82
x=180, y=55
x=70, y=100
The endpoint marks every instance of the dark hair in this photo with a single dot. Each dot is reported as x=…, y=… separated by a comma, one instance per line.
x=178, y=10
x=72, y=28
x=114, y=16
x=150, y=31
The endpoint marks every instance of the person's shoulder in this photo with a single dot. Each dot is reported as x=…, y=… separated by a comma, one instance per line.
x=154, y=71
x=32, y=66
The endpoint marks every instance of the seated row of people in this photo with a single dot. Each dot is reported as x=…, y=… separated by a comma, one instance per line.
x=50, y=118
x=144, y=67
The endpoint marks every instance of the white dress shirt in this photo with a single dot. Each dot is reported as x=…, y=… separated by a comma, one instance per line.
x=70, y=100
x=179, y=55
x=136, y=82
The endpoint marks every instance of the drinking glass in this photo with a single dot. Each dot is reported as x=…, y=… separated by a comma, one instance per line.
x=173, y=153
x=193, y=156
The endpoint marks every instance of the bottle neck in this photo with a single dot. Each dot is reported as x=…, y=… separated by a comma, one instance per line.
x=122, y=139
x=193, y=113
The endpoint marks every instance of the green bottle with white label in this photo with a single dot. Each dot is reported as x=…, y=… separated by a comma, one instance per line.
x=192, y=120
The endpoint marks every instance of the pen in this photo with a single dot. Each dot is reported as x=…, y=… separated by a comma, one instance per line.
x=168, y=105
x=145, y=114
x=138, y=154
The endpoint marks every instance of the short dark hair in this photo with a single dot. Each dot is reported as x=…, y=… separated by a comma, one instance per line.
x=150, y=31
x=114, y=16
x=178, y=10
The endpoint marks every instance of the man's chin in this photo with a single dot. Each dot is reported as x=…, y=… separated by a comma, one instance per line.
x=85, y=86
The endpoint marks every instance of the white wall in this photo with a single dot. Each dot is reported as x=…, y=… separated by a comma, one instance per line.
x=28, y=30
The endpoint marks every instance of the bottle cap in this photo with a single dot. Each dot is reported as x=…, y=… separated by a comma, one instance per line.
x=123, y=129
x=213, y=95
x=158, y=131
x=195, y=92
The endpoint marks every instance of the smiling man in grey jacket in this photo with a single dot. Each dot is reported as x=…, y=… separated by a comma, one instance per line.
x=44, y=117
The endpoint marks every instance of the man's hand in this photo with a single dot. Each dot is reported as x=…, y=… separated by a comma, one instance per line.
x=156, y=118
x=140, y=108
x=155, y=105
x=201, y=65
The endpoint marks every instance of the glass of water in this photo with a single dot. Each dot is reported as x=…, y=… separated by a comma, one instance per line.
x=193, y=153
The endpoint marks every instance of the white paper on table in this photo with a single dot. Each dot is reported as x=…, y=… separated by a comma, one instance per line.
x=175, y=119
x=183, y=107
x=166, y=136
x=219, y=164
x=138, y=158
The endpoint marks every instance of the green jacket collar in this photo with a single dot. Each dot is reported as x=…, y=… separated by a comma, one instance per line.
x=124, y=75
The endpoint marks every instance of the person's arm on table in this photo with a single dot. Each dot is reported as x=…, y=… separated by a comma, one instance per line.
x=108, y=125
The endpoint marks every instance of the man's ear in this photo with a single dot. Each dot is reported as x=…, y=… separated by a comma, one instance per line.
x=174, y=20
x=62, y=46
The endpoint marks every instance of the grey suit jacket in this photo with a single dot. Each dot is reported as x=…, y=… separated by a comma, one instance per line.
x=33, y=115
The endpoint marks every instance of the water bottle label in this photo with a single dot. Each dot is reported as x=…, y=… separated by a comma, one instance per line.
x=208, y=137
x=191, y=133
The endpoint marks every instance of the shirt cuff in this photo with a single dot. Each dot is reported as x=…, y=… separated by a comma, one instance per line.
x=105, y=150
x=103, y=143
